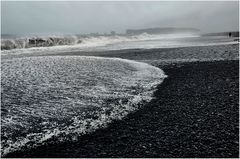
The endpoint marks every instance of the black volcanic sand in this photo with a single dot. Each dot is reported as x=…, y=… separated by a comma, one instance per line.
x=195, y=114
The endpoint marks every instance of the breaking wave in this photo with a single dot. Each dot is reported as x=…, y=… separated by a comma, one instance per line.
x=61, y=98
x=80, y=41
x=29, y=42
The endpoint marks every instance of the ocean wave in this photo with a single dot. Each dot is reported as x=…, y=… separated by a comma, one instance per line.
x=29, y=42
x=61, y=98
x=80, y=41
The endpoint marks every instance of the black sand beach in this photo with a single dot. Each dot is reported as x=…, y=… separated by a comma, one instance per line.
x=120, y=79
x=195, y=113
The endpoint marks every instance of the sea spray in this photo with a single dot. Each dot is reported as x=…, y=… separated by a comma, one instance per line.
x=64, y=43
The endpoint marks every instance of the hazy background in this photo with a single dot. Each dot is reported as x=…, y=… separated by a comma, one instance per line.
x=103, y=17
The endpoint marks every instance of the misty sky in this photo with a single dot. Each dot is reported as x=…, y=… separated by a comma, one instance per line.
x=103, y=17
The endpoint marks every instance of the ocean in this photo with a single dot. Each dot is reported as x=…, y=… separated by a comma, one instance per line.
x=57, y=98
x=44, y=44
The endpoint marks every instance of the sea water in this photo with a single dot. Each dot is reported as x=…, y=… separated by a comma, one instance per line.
x=46, y=44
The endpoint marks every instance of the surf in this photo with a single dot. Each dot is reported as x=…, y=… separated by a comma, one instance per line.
x=63, y=97
x=11, y=44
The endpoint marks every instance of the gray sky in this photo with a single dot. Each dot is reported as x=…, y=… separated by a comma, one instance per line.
x=84, y=17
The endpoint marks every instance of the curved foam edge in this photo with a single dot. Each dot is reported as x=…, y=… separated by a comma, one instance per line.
x=120, y=110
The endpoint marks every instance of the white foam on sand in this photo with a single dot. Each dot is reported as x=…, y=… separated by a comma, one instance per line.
x=61, y=98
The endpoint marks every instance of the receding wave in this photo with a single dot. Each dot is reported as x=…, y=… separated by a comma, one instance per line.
x=61, y=98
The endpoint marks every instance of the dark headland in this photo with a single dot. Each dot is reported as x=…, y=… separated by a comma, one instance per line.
x=195, y=112
x=167, y=30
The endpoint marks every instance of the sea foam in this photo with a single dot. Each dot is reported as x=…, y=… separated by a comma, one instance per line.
x=61, y=98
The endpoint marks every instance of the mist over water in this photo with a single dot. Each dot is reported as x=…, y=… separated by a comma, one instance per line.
x=10, y=42
x=75, y=26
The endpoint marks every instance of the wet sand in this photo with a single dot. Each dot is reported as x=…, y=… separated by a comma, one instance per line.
x=195, y=113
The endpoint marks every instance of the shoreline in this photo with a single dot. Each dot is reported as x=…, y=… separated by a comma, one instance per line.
x=211, y=52
x=194, y=114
